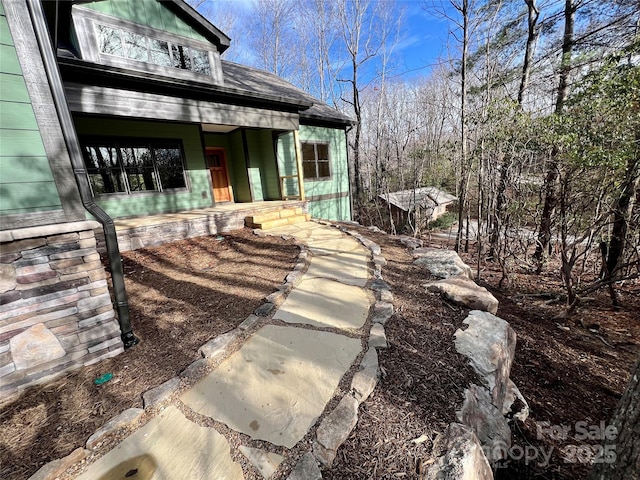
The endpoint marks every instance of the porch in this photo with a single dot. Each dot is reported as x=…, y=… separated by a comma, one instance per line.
x=151, y=230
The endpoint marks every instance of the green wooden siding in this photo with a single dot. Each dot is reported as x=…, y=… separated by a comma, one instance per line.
x=26, y=182
x=146, y=12
x=9, y=58
x=238, y=166
x=261, y=175
x=338, y=185
x=338, y=209
x=262, y=160
x=13, y=88
x=199, y=194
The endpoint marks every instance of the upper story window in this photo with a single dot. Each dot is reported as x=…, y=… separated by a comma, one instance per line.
x=315, y=161
x=128, y=167
x=126, y=44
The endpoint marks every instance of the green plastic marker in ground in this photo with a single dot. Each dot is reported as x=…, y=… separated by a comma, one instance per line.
x=103, y=378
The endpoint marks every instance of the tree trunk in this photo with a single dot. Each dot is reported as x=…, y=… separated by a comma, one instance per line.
x=357, y=193
x=464, y=183
x=532, y=35
x=550, y=187
x=620, y=459
x=622, y=214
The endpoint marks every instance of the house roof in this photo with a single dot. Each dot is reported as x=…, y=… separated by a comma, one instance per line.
x=423, y=197
x=261, y=82
x=242, y=85
x=210, y=31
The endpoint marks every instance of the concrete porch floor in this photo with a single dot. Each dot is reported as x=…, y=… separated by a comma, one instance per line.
x=152, y=230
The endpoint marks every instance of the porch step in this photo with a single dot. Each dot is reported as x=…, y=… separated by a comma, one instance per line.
x=267, y=220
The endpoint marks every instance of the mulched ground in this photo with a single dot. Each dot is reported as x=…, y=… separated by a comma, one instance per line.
x=185, y=293
x=566, y=376
x=181, y=295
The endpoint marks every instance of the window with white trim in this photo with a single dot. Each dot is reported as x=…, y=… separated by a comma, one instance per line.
x=130, y=167
x=126, y=44
x=315, y=161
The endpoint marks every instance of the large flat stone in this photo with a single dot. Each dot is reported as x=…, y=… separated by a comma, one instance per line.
x=169, y=446
x=442, y=263
x=305, y=230
x=333, y=246
x=465, y=292
x=277, y=385
x=325, y=303
x=350, y=268
x=265, y=462
x=35, y=346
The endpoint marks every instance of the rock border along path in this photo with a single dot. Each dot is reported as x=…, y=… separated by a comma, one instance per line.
x=272, y=379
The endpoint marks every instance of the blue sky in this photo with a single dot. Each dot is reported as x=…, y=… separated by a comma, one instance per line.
x=424, y=39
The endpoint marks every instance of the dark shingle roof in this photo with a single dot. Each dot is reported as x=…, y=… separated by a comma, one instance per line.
x=262, y=82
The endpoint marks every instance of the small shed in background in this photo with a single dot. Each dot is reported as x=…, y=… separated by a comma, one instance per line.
x=417, y=207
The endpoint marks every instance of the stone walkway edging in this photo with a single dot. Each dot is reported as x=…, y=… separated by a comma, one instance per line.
x=335, y=426
x=483, y=436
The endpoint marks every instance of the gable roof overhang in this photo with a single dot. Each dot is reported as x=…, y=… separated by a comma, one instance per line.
x=97, y=89
x=206, y=28
x=89, y=73
x=280, y=104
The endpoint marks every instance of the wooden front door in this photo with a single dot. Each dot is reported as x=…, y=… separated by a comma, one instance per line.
x=217, y=165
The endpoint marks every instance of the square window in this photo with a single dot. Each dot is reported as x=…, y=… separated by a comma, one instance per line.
x=200, y=61
x=315, y=161
x=110, y=41
x=159, y=52
x=181, y=57
x=135, y=47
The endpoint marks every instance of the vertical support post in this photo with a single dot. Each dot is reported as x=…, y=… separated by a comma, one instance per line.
x=298, y=148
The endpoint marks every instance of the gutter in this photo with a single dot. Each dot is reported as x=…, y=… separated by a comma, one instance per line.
x=73, y=146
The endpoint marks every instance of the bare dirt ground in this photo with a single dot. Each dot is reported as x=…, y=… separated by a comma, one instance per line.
x=185, y=293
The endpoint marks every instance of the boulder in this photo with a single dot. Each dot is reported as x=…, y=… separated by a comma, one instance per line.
x=306, y=469
x=490, y=344
x=487, y=422
x=441, y=263
x=410, y=242
x=458, y=456
x=465, y=292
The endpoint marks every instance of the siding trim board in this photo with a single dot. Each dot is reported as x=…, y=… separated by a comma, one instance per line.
x=45, y=113
x=127, y=103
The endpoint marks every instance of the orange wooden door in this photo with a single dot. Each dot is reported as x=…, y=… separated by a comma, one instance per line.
x=217, y=164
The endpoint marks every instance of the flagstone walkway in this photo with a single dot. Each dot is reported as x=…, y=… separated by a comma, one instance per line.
x=276, y=386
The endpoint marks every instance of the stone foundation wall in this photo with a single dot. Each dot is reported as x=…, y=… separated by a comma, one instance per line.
x=56, y=312
x=160, y=229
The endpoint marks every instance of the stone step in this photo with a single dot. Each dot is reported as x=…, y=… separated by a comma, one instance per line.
x=279, y=222
x=264, y=218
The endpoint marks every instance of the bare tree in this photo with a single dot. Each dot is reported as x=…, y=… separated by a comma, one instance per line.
x=364, y=29
x=551, y=179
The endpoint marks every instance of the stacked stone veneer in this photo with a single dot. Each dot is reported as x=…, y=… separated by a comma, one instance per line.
x=56, y=312
x=159, y=229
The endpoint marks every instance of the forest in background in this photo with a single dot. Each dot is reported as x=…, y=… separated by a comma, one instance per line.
x=532, y=119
